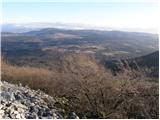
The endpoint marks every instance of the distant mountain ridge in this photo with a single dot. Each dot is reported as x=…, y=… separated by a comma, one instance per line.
x=107, y=46
x=26, y=27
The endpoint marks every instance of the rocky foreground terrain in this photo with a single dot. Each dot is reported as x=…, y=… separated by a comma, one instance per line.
x=19, y=102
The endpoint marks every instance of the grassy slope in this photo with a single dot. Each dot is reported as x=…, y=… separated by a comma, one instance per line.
x=91, y=91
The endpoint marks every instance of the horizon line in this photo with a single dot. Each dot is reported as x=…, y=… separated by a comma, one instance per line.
x=81, y=26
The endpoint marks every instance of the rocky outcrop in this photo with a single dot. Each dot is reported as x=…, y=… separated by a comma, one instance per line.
x=19, y=102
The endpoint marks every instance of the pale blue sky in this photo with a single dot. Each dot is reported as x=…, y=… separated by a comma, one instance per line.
x=116, y=14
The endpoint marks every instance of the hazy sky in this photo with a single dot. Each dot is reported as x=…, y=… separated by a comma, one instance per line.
x=110, y=14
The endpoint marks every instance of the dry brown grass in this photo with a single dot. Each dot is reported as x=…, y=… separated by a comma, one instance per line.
x=33, y=77
x=92, y=92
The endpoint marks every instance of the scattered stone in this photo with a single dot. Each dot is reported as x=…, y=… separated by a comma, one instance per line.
x=72, y=115
x=18, y=102
x=18, y=116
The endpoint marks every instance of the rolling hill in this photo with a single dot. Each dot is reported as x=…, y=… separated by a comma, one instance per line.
x=101, y=44
x=149, y=64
